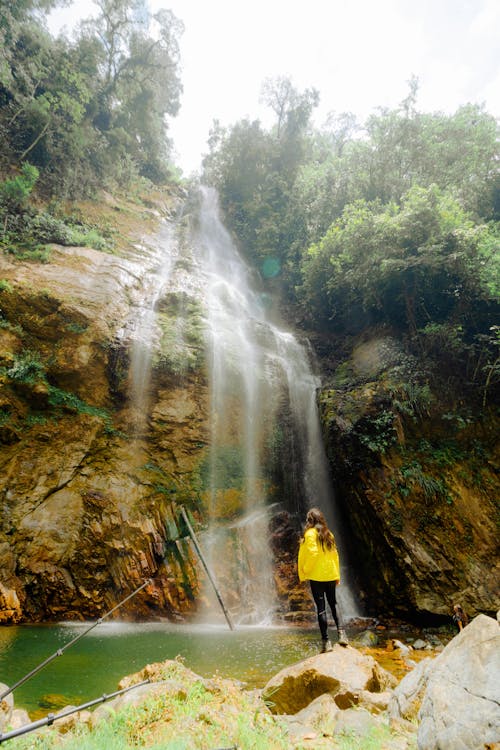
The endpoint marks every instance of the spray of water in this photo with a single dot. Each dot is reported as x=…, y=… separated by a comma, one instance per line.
x=256, y=371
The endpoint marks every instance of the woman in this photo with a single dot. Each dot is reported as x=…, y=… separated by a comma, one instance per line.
x=319, y=564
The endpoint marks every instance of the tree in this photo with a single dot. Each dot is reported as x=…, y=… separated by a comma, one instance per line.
x=140, y=82
x=91, y=112
x=406, y=267
x=255, y=171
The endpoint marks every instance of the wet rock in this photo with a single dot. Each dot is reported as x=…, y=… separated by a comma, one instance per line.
x=419, y=644
x=430, y=534
x=53, y=701
x=87, y=504
x=367, y=638
x=10, y=607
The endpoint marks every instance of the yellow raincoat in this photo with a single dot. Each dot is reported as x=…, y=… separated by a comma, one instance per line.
x=317, y=563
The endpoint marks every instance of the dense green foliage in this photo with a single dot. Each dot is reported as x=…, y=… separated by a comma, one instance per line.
x=393, y=223
x=88, y=112
x=26, y=230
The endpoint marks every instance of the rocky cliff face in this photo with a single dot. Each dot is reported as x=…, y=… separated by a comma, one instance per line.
x=90, y=484
x=417, y=474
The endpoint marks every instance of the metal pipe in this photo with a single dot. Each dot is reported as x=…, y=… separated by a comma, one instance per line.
x=50, y=718
x=60, y=651
x=205, y=565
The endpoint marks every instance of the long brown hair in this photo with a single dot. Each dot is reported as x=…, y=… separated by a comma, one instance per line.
x=316, y=520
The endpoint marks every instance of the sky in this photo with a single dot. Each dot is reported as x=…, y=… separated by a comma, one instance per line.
x=359, y=55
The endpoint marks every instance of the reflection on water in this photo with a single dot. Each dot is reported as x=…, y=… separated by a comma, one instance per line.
x=96, y=663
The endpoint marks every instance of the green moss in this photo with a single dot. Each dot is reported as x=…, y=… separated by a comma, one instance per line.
x=27, y=369
x=27, y=251
x=76, y=328
x=71, y=402
x=182, y=336
x=227, y=465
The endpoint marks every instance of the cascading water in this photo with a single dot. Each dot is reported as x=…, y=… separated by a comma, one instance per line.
x=257, y=371
x=142, y=328
x=262, y=405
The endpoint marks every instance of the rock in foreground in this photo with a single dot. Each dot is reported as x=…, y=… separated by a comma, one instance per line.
x=456, y=696
x=352, y=678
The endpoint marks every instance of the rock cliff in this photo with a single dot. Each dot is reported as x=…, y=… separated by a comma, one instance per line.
x=416, y=470
x=90, y=485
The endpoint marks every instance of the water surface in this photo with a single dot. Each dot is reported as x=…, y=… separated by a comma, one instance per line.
x=95, y=664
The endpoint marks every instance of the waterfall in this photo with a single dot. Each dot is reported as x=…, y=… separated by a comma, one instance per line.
x=257, y=372
x=142, y=328
x=265, y=451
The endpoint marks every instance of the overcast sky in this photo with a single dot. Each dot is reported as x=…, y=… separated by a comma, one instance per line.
x=359, y=54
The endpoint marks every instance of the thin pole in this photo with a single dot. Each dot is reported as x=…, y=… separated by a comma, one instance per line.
x=60, y=651
x=204, y=563
x=49, y=720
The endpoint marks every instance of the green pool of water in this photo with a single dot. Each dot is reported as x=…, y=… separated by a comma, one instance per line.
x=95, y=664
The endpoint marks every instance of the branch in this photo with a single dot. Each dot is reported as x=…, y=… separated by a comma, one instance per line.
x=39, y=136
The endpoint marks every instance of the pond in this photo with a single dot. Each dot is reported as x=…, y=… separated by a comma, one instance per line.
x=95, y=664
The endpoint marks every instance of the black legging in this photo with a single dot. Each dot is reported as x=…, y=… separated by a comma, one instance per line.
x=319, y=590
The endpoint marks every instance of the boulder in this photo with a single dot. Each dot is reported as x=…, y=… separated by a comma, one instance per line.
x=10, y=608
x=20, y=717
x=355, y=721
x=407, y=697
x=344, y=673
x=367, y=638
x=456, y=696
x=315, y=720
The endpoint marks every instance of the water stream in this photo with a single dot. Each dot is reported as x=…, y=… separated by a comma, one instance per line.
x=142, y=330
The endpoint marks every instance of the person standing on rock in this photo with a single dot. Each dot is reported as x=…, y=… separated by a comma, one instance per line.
x=318, y=563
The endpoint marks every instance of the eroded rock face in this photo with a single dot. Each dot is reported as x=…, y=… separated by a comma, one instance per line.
x=418, y=483
x=89, y=476
x=102, y=438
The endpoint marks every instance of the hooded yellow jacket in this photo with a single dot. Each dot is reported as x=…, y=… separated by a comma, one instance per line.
x=317, y=563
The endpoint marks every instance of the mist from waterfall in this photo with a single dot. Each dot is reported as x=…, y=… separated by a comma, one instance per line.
x=257, y=372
